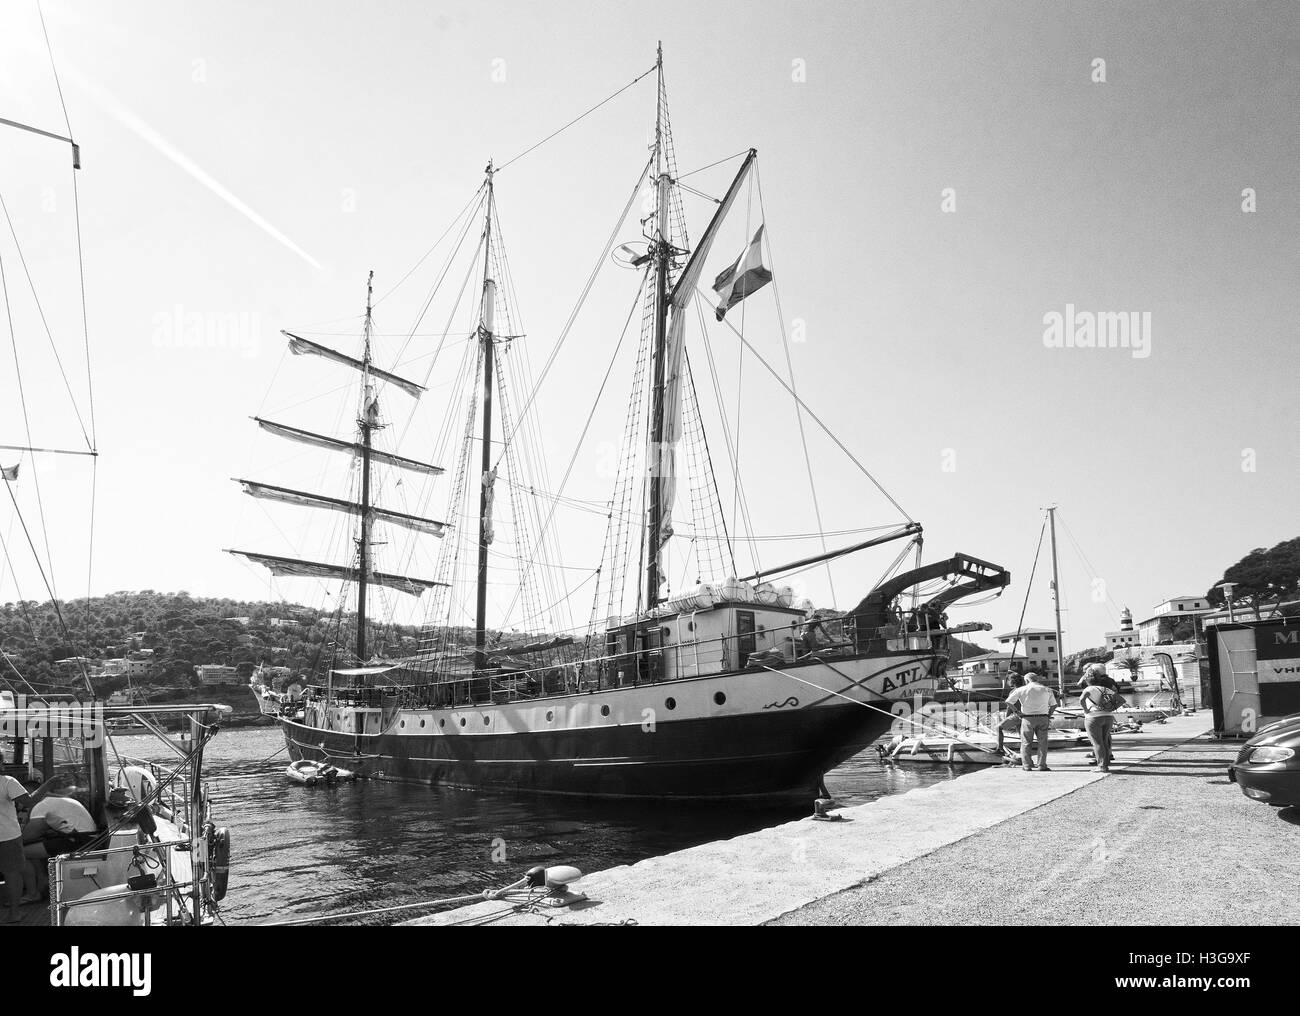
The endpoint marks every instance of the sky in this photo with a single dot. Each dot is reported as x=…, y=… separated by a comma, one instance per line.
x=938, y=180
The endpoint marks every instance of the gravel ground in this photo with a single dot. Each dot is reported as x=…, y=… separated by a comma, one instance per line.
x=1169, y=841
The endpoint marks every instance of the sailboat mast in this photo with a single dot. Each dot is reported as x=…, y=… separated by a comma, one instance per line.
x=367, y=425
x=486, y=327
x=654, y=521
x=1056, y=603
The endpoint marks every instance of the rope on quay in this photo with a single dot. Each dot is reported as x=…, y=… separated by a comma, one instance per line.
x=485, y=895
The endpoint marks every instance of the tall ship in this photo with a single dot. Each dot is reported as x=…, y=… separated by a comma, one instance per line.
x=691, y=677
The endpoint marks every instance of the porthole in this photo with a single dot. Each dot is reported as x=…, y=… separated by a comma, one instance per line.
x=719, y=698
x=550, y=714
x=487, y=720
x=422, y=723
x=403, y=724
x=442, y=723
x=462, y=721
x=604, y=710
x=671, y=703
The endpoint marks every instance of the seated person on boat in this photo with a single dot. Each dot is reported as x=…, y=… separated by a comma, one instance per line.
x=57, y=824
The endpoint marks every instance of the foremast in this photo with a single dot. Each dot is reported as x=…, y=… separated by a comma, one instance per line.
x=363, y=451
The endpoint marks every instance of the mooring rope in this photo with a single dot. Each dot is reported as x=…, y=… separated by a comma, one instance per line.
x=925, y=721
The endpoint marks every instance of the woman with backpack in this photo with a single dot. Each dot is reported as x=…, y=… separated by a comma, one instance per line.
x=1099, y=704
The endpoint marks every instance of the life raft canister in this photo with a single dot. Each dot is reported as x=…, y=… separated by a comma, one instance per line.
x=219, y=861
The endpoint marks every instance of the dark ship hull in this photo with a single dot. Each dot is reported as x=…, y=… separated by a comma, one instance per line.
x=754, y=737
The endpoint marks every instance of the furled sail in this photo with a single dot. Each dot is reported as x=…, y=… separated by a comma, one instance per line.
x=679, y=301
x=293, y=567
x=304, y=347
x=352, y=447
x=269, y=492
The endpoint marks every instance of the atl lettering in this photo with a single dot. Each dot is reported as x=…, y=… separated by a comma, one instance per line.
x=903, y=677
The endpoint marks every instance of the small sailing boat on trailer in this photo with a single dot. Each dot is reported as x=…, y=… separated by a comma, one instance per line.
x=725, y=692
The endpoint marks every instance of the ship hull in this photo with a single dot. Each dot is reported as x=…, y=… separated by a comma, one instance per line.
x=769, y=740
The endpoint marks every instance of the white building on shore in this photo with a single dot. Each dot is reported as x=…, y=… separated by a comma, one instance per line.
x=1171, y=615
x=216, y=673
x=1035, y=646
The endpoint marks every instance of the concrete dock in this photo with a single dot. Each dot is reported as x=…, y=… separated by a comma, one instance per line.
x=996, y=846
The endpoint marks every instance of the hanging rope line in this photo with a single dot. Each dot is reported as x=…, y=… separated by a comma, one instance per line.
x=49, y=49
x=1112, y=606
x=573, y=316
x=568, y=472
x=727, y=439
x=816, y=419
x=45, y=324
x=729, y=158
x=789, y=366
x=22, y=400
x=575, y=120
x=1020, y=625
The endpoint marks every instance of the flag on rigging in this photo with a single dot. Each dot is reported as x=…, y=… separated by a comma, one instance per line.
x=744, y=277
x=10, y=472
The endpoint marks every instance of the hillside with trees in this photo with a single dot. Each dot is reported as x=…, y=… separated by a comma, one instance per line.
x=172, y=633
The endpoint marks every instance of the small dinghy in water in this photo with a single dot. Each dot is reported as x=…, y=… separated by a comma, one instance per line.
x=310, y=773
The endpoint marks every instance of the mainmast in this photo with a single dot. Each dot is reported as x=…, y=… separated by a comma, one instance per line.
x=1056, y=603
x=485, y=331
x=663, y=252
x=369, y=418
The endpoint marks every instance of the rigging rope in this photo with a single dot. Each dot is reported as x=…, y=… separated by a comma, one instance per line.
x=1113, y=607
x=591, y=415
x=789, y=366
x=575, y=120
x=817, y=419
x=1015, y=643
x=591, y=279
x=40, y=310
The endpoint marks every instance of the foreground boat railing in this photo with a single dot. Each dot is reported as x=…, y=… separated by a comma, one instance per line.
x=165, y=884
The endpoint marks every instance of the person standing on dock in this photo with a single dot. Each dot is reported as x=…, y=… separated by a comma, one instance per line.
x=1034, y=702
x=12, y=863
x=1099, y=705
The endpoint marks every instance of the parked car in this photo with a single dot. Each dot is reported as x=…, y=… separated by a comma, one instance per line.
x=1268, y=766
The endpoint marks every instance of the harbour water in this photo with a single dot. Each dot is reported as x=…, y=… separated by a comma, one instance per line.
x=299, y=851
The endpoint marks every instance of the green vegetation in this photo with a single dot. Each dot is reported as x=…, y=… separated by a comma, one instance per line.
x=169, y=633
x=1263, y=578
